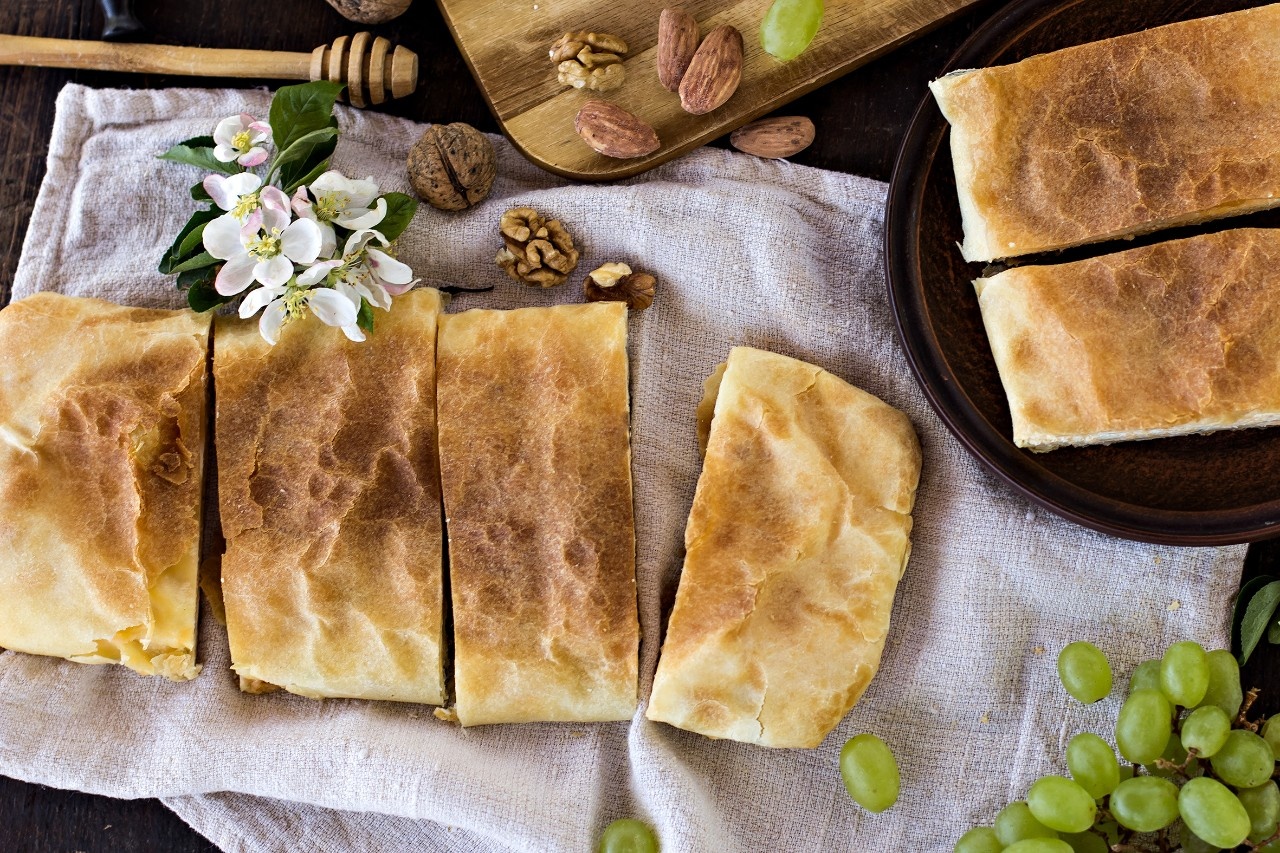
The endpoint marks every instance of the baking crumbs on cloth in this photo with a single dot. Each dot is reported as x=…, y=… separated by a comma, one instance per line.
x=985, y=718
x=1038, y=650
x=1174, y=605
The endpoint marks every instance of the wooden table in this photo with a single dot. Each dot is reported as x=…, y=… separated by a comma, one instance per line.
x=860, y=120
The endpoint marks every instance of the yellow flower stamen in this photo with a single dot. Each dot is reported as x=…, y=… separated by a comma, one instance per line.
x=265, y=246
x=241, y=140
x=246, y=205
x=295, y=303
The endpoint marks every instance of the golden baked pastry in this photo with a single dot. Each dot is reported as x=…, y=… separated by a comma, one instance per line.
x=329, y=492
x=1173, y=125
x=536, y=466
x=102, y=414
x=1175, y=338
x=796, y=541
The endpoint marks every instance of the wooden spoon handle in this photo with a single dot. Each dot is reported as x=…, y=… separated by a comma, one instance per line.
x=154, y=58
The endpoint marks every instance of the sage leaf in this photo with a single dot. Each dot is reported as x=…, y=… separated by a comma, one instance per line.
x=400, y=211
x=202, y=157
x=299, y=110
x=1260, y=601
x=189, y=239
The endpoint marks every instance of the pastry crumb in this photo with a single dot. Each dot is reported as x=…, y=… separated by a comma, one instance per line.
x=985, y=718
x=1039, y=650
x=1175, y=605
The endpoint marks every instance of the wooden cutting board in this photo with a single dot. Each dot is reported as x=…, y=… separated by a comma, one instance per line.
x=506, y=44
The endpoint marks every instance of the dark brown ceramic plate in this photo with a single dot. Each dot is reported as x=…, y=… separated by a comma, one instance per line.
x=1195, y=490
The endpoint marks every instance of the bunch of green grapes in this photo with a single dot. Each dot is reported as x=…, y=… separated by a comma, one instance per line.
x=1196, y=772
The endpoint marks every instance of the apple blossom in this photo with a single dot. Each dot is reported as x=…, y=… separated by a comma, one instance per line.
x=237, y=137
x=263, y=249
x=333, y=199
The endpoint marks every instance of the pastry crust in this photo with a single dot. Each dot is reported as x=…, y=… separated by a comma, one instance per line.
x=329, y=494
x=102, y=414
x=1170, y=339
x=536, y=467
x=796, y=541
x=1174, y=125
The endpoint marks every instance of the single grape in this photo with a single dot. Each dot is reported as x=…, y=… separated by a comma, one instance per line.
x=1184, y=674
x=1245, y=760
x=1085, y=672
x=789, y=26
x=1016, y=823
x=1093, y=764
x=1061, y=804
x=1271, y=733
x=870, y=772
x=1126, y=771
x=1146, y=676
x=1224, y=682
x=1143, y=726
x=628, y=836
x=1212, y=812
x=980, y=839
x=1205, y=730
x=1145, y=803
x=1087, y=842
x=1192, y=843
x=1039, y=845
x=1263, y=805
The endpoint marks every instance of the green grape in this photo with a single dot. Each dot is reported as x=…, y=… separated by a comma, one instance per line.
x=1263, y=805
x=1174, y=754
x=1145, y=803
x=1093, y=764
x=1085, y=672
x=1144, y=726
x=628, y=836
x=1061, y=804
x=1273, y=847
x=789, y=26
x=1184, y=674
x=1192, y=843
x=1039, y=845
x=1087, y=842
x=1212, y=812
x=1205, y=730
x=1146, y=676
x=1016, y=822
x=870, y=772
x=1224, y=682
x=1126, y=771
x=981, y=839
x=1245, y=760
x=1271, y=733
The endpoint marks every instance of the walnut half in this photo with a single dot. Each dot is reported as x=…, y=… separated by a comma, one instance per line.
x=535, y=250
x=589, y=60
x=617, y=283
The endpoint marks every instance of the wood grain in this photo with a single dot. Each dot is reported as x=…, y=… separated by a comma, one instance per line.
x=508, y=54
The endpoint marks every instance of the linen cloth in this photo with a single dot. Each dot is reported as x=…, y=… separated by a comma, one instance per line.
x=746, y=251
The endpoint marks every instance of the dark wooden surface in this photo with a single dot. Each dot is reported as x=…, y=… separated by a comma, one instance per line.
x=860, y=119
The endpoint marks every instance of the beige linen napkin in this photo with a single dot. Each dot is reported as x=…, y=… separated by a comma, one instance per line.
x=746, y=251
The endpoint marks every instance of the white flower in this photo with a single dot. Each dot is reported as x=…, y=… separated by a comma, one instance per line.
x=321, y=271
x=236, y=193
x=263, y=249
x=237, y=137
x=291, y=301
x=336, y=200
x=375, y=269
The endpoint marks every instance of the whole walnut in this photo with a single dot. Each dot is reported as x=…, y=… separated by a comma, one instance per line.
x=452, y=166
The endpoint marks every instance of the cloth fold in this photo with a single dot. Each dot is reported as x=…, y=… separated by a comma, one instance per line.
x=746, y=251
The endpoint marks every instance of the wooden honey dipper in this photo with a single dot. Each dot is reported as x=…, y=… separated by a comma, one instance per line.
x=368, y=66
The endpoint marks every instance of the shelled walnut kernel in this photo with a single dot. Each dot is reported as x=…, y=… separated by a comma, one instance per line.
x=535, y=250
x=616, y=282
x=590, y=60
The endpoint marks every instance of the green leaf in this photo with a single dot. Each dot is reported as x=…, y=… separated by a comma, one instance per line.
x=188, y=240
x=299, y=110
x=1260, y=598
x=201, y=293
x=300, y=157
x=199, y=193
x=364, y=319
x=1273, y=633
x=200, y=261
x=202, y=157
x=400, y=210
x=291, y=184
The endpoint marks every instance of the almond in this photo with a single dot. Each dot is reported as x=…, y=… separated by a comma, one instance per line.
x=614, y=132
x=677, y=42
x=780, y=136
x=714, y=73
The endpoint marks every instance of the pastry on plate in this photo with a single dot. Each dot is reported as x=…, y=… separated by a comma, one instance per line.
x=102, y=421
x=328, y=488
x=536, y=470
x=797, y=538
x=1175, y=338
x=1174, y=125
